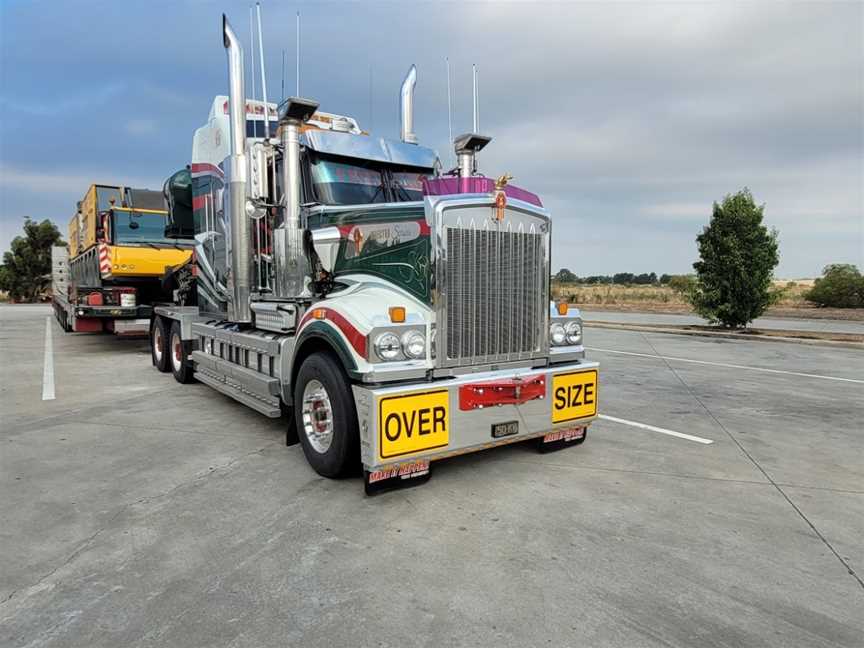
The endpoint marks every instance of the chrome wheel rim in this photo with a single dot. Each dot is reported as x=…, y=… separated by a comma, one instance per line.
x=177, y=352
x=317, y=416
x=157, y=344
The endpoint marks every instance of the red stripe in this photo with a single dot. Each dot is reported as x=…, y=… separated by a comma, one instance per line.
x=199, y=202
x=355, y=337
x=205, y=167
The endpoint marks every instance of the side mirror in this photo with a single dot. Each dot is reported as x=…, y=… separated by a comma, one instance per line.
x=326, y=243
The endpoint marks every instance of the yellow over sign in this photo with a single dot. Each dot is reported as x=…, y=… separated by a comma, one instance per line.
x=413, y=423
x=574, y=396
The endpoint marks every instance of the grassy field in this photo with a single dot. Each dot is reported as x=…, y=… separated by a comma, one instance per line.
x=663, y=299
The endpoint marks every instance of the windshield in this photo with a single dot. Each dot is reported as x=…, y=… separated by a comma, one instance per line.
x=346, y=181
x=139, y=227
x=255, y=128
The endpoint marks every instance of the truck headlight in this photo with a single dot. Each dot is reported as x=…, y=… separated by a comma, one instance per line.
x=557, y=334
x=414, y=344
x=574, y=332
x=387, y=346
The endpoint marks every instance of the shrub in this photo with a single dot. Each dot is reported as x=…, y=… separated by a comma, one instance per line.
x=682, y=284
x=841, y=286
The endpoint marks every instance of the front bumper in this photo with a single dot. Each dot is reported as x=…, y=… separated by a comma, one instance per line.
x=405, y=423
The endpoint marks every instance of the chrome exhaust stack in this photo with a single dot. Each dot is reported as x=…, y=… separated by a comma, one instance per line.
x=290, y=259
x=240, y=254
x=406, y=106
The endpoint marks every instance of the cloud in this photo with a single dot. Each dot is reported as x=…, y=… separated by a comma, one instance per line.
x=629, y=119
x=60, y=182
x=141, y=127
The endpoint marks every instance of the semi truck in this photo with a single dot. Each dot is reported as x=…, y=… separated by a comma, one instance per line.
x=116, y=263
x=393, y=313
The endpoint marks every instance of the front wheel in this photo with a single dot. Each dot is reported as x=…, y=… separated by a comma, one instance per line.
x=325, y=416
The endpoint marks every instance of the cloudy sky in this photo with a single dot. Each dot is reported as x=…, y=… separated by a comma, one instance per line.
x=628, y=119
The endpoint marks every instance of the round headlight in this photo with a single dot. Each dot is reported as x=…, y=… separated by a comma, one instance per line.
x=414, y=344
x=574, y=332
x=557, y=334
x=387, y=346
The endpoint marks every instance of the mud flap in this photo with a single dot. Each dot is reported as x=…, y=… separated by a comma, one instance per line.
x=391, y=478
x=560, y=439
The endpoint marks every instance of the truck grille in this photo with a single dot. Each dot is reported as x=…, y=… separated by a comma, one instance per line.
x=496, y=294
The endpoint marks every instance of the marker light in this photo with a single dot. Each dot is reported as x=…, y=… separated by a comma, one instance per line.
x=562, y=308
x=397, y=314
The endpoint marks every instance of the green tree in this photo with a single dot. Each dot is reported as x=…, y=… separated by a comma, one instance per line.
x=565, y=276
x=26, y=269
x=841, y=286
x=738, y=255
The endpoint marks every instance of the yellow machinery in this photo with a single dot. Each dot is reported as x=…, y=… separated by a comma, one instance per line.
x=118, y=257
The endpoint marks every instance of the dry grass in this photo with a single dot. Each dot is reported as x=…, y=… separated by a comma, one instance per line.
x=662, y=299
x=615, y=294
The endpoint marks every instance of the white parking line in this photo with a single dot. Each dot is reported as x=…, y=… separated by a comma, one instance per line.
x=48, y=367
x=652, y=428
x=729, y=366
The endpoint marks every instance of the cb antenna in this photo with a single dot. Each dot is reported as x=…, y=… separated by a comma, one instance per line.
x=476, y=108
x=252, y=51
x=263, y=74
x=298, y=54
x=282, y=95
x=449, y=111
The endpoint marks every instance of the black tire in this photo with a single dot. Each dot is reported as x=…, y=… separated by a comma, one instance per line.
x=178, y=356
x=159, y=344
x=342, y=454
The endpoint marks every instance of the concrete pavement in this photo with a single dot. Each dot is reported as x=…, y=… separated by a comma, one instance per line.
x=782, y=323
x=140, y=512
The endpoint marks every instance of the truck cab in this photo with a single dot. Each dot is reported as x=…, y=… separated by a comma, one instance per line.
x=396, y=314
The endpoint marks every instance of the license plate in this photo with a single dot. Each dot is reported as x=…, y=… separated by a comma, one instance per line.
x=508, y=428
x=413, y=423
x=566, y=435
x=574, y=396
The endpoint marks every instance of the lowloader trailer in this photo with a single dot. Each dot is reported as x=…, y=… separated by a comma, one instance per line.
x=116, y=263
x=396, y=315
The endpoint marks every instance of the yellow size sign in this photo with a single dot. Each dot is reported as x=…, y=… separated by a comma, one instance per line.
x=574, y=396
x=412, y=423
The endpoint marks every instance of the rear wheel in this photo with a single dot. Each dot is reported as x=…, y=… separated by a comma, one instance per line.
x=159, y=344
x=179, y=358
x=325, y=416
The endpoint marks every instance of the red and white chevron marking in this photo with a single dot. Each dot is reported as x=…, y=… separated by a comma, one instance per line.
x=104, y=261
